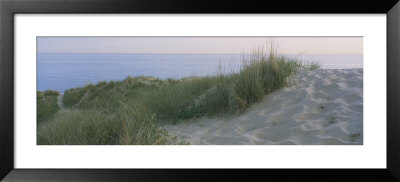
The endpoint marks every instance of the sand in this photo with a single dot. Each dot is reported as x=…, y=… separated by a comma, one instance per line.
x=318, y=107
x=59, y=102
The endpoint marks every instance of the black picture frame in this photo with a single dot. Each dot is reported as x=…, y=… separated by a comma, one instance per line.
x=8, y=8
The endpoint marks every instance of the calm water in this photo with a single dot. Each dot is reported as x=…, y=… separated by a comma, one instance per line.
x=63, y=71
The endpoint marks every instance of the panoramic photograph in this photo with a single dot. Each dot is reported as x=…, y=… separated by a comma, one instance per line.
x=199, y=90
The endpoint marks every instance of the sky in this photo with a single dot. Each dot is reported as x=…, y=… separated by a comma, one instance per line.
x=199, y=45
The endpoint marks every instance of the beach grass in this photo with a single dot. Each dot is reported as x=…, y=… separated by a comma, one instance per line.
x=130, y=111
x=46, y=105
x=92, y=127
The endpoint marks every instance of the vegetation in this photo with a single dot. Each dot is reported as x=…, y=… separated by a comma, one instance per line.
x=46, y=105
x=313, y=65
x=130, y=111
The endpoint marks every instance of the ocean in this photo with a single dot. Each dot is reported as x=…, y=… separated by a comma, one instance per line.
x=60, y=71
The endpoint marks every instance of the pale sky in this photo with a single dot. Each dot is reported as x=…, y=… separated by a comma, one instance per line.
x=199, y=45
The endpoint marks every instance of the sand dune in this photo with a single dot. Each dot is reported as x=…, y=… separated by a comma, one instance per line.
x=322, y=107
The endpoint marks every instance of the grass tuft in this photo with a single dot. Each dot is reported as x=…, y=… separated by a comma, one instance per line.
x=46, y=104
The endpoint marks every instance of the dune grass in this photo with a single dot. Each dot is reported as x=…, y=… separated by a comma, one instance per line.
x=46, y=105
x=92, y=127
x=130, y=111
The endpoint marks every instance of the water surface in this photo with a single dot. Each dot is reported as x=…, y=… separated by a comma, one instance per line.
x=59, y=71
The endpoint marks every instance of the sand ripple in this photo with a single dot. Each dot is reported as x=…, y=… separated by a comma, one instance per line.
x=318, y=107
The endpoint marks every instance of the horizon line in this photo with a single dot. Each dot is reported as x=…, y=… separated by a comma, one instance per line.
x=197, y=53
